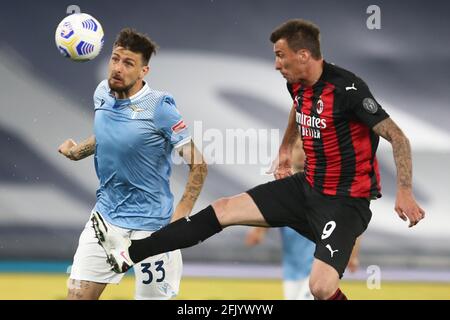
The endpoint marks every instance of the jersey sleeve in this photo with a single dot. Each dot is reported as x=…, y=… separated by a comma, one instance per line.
x=170, y=123
x=363, y=105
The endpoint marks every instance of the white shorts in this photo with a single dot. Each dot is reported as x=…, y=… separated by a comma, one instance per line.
x=157, y=277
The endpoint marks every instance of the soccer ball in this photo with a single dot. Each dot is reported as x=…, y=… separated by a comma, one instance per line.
x=79, y=37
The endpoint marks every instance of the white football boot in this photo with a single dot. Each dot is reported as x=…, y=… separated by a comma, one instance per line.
x=113, y=242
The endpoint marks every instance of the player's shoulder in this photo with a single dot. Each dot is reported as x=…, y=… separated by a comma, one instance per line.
x=103, y=95
x=159, y=93
x=159, y=97
x=103, y=85
x=292, y=88
x=102, y=88
x=341, y=78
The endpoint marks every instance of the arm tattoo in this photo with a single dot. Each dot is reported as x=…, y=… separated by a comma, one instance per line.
x=83, y=149
x=194, y=185
x=401, y=149
x=86, y=151
x=197, y=174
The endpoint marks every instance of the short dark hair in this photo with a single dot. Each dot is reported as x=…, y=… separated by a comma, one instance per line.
x=299, y=34
x=137, y=42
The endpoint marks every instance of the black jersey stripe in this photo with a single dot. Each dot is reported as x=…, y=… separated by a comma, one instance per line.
x=319, y=154
x=375, y=191
x=348, y=167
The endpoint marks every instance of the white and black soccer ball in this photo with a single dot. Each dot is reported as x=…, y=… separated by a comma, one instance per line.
x=79, y=37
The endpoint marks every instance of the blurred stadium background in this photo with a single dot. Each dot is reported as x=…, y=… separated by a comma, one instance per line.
x=216, y=59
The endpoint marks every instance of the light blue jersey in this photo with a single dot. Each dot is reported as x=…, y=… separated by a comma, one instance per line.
x=134, y=140
x=298, y=254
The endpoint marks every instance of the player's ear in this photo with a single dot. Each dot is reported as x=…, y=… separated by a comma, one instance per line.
x=303, y=55
x=144, y=71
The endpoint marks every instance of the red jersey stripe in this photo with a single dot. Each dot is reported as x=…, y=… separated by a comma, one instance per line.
x=330, y=147
x=363, y=153
x=308, y=141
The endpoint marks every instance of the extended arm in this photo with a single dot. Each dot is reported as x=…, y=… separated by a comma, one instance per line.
x=197, y=175
x=405, y=205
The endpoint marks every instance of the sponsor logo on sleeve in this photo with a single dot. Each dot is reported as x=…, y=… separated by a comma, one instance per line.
x=179, y=126
x=370, y=105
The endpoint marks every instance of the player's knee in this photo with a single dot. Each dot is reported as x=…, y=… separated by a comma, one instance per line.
x=220, y=208
x=83, y=290
x=321, y=288
x=80, y=294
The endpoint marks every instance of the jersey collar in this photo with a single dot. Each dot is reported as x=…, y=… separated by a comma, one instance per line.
x=144, y=90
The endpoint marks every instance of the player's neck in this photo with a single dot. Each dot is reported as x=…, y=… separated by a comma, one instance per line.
x=314, y=73
x=131, y=92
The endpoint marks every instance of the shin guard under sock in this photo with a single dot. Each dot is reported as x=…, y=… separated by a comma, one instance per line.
x=183, y=233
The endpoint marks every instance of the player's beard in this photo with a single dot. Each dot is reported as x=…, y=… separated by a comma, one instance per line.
x=121, y=89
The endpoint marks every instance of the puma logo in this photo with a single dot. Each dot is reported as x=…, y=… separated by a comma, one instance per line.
x=351, y=88
x=331, y=250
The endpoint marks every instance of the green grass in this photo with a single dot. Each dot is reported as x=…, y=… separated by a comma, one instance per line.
x=24, y=286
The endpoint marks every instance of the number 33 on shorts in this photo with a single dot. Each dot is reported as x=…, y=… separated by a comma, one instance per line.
x=158, y=277
x=159, y=268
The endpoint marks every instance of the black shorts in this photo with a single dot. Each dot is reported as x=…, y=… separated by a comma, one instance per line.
x=332, y=222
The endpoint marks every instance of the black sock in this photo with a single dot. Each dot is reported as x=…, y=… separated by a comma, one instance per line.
x=183, y=233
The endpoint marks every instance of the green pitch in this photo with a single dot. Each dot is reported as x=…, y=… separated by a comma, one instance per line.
x=23, y=286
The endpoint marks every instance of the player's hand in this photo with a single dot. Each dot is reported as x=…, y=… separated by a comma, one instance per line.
x=353, y=264
x=255, y=236
x=283, y=171
x=65, y=147
x=281, y=166
x=407, y=207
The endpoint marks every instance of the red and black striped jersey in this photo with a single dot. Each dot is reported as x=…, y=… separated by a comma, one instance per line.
x=335, y=117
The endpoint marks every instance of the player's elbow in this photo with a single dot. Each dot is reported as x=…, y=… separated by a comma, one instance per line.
x=204, y=168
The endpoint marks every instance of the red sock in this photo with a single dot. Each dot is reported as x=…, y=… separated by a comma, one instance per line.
x=338, y=295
